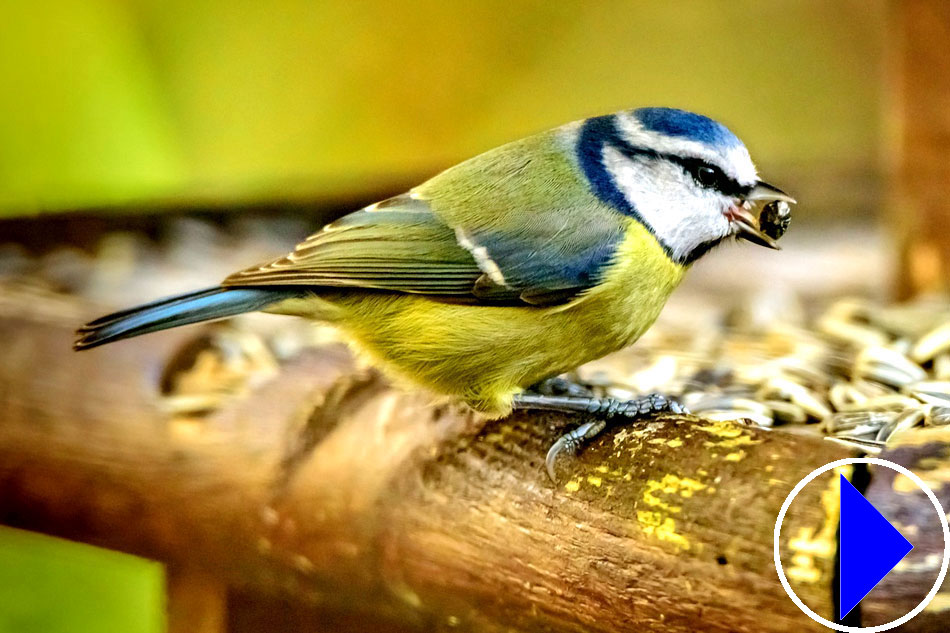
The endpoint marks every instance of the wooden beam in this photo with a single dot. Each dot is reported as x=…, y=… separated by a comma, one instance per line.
x=325, y=487
x=920, y=93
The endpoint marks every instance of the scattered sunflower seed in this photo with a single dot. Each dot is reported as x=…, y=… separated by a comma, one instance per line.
x=786, y=412
x=908, y=419
x=887, y=366
x=941, y=366
x=939, y=416
x=785, y=389
x=868, y=374
x=844, y=395
x=934, y=342
x=887, y=402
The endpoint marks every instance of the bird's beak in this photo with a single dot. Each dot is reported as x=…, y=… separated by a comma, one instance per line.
x=765, y=191
x=747, y=226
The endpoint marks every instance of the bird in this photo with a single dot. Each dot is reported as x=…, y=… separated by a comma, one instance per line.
x=492, y=278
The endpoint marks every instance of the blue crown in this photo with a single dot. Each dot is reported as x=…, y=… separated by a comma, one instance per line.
x=683, y=124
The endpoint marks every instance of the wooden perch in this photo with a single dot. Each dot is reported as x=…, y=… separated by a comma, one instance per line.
x=326, y=488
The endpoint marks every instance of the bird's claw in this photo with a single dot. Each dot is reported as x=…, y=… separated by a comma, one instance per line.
x=607, y=409
x=570, y=442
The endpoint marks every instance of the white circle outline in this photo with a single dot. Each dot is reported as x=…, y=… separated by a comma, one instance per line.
x=943, y=566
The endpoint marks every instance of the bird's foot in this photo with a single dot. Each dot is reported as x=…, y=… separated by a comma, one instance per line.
x=607, y=410
x=559, y=386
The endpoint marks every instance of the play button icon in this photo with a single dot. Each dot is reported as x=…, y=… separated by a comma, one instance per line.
x=870, y=547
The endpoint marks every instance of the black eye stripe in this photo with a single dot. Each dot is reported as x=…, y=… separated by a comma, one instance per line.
x=721, y=182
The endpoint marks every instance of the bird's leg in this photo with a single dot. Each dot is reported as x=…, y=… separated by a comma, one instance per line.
x=558, y=386
x=607, y=410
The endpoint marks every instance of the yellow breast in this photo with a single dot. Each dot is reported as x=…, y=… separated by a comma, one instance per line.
x=632, y=292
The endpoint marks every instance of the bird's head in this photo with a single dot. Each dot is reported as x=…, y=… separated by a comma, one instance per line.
x=685, y=176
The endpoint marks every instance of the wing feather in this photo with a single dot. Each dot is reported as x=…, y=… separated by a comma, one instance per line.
x=515, y=225
x=387, y=246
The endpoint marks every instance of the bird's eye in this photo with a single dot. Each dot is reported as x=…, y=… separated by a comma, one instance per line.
x=707, y=176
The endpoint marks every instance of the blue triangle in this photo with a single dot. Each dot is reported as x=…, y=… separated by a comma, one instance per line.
x=870, y=547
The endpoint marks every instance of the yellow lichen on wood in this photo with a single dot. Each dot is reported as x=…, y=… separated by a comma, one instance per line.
x=671, y=485
x=657, y=522
x=662, y=527
x=652, y=500
x=803, y=569
x=934, y=471
x=634, y=432
x=735, y=442
x=721, y=428
x=735, y=456
x=672, y=443
x=810, y=543
x=727, y=435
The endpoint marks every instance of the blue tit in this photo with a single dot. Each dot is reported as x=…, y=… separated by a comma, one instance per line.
x=512, y=267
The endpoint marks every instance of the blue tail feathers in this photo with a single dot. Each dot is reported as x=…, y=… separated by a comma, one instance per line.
x=194, y=307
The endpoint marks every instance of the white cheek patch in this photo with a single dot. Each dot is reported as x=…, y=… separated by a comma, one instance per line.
x=682, y=215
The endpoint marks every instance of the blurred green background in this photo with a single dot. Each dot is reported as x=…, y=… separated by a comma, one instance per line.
x=53, y=586
x=112, y=103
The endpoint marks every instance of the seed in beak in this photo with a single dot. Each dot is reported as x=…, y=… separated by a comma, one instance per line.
x=747, y=228
x=775, y=218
